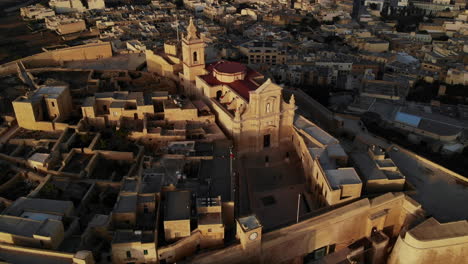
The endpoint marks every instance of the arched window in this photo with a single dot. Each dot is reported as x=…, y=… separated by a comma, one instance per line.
x=195, y=56
x=268, y=108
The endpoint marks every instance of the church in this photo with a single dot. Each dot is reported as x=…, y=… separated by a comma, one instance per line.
x=250, y=109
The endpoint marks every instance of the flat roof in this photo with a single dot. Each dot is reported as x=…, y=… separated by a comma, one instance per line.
x=249, y=222
x=27, y=227
x=128, y=236
x=126, y=204
x=129, y=185
x=408, y=119
x=369, y=170
x=24, y=204
x=431, y=229
x=39, y=157
x=177, y=205
x=210, y=218
x=342, y=176
x=152, y=180
x=314, y=131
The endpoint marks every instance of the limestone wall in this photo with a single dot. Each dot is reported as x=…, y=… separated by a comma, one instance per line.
x=56, y=57
x=340, y=227
x=432, y=247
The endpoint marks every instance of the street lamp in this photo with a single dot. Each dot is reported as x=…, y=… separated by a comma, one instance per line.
x=233, y=184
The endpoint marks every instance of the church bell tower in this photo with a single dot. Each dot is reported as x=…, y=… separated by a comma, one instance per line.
x=193, y=57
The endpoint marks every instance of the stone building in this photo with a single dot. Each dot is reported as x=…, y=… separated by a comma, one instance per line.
x=96, y=4
x=357, y=230
x=109, y=108
x=165, y=63
x=432, y=242
x=46, y=233
x=263, y=52
x=46, y=106
x=137, y=246
x=249, y=108
x=177, y=211
x=210, y=222
x=67, y=6
x=64, y=25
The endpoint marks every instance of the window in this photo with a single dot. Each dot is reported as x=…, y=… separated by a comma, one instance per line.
x=319, y=253
x=145, y=252
x=129, y=254
x=268, y=108
x=210, y=230
x=53, y=104
x=195, y=57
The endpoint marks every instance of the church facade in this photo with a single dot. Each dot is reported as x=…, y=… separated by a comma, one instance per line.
x=250, y=109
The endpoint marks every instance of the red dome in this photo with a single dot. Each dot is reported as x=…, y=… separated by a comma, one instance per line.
x=229, y=67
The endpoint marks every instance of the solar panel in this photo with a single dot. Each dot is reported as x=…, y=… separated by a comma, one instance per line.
x=408, y=119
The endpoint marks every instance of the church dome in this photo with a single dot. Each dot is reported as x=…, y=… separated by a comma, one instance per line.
x=228, y=72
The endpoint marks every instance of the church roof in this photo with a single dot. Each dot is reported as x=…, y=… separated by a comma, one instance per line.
x=242, y=87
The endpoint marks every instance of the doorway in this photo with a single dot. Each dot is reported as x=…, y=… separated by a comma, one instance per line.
x=266, y=141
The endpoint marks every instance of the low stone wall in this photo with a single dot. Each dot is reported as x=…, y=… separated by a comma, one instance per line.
x=433, y=164
x=181, y=249
x=11, y=182
x=57, y=57
x=116, y=155
x=86, y=198
x=36, y=191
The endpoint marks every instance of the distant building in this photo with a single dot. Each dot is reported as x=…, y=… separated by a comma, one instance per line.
x=65, y=25
x=67, y=6
x=259, y=52
x=96, y=4
x=36, y=12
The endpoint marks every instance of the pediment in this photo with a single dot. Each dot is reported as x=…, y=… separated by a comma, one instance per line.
x=267, y=87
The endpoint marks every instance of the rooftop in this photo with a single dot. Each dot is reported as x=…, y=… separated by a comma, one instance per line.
x=369, y=170
x=177, y=205
x=249, y=222
x=242, y=87
x=20, y=255
x=126, y=204
x=314, y=131
x=128, y=236
x=229, y=67
x=431, y=229
x=24, y=204
x=210, y=219
x=27, y=227
x=342, y=176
